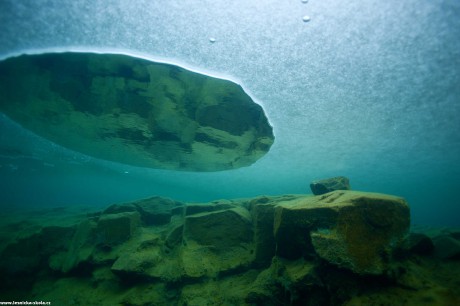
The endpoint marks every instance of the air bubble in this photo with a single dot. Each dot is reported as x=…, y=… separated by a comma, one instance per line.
x=304, y=1
x=212, y=40
x=306, y=18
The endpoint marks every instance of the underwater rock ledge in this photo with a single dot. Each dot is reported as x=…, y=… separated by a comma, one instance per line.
x=135, y=111
x=340, y=248
x=268, y=250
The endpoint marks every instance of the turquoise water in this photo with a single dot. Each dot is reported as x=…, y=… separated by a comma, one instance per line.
x=366, y=90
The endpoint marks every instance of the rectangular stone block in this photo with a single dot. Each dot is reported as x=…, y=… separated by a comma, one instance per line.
x=354, y=230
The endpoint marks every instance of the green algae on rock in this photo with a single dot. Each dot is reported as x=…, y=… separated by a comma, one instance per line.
x=333, y=249
x=355, y=230
x=330, y=184
x=135, y=111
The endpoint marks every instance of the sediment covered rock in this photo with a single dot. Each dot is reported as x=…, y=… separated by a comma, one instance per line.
x=327, y=185
x=197, y=208
x=79, y=250
x=156, y=210
x=217, y=242
x=139, y=263
x=21, y=257
x=259, y=249
x=221, y=229
x=446, y=247
x=116, y=228
x=354, y=230
x=418, y=243
x=263, y=212
x=153, y=211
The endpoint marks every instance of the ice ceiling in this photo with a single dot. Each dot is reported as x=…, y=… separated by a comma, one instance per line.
x=366, y=89
x=134, y=111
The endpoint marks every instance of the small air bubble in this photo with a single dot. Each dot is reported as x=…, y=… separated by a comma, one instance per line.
x=304, y=1
x=306, y=18
x=212, y=40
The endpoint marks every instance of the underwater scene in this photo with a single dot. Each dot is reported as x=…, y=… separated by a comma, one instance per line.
x=270, y=153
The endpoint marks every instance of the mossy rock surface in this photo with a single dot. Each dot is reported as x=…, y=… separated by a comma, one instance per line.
x=269, y=250
x=353, y=230
x=134, y=111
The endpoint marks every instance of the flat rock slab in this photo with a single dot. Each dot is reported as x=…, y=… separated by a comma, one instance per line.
x=134, y=111
x=354, y=230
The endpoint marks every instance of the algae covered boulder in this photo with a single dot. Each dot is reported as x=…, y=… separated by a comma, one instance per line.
x=446, y=247
x=217, y=242
x=221, y=229
x=268, y=250
x=152, y=211
x=263, y=211
x=354, y=230
x=80, y=249
x=418, y=243
x=135, y=111
x=114, y=229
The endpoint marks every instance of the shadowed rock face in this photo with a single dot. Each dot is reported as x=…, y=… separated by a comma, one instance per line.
x=135, y=111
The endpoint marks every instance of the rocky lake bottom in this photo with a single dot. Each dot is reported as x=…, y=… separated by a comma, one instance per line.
x=340, y=248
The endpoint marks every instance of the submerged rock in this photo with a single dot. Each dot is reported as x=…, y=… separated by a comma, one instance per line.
x=139, y=263
x=327, y=185
x=446, y=247
x=217, y=242
x=157, y=210
x=418, y=243
x=197, y=208
x=263, y=213
x=134, y=111
x=153, y=211
x=221, y=229
x=79, y=250
x=116, y=228
x=21, y=257
x=269, y=250
x=354, y=230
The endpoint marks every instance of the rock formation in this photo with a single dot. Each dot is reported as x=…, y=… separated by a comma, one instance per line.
x=330, y=184
x=353, y=230
x=268, y=250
